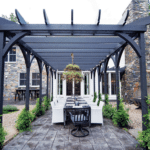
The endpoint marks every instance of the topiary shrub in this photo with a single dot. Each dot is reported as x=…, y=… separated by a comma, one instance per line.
x=99, y=98
x=108, y=110
x=144, y=136
x=39, y=109
x=7, y=109
x=2, y=135
x=106, y=99
x=121, y=117
x=95, y=97
x=24, y=120
x=46, y=103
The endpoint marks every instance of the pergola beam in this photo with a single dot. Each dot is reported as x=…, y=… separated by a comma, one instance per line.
x=71, y=46
x=49, y=51
x=64, y=28
x=72, y=39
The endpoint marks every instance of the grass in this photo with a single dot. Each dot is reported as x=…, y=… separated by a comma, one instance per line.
x=9, y=109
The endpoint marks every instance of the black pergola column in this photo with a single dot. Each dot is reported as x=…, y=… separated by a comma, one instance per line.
x=52, y=85
x=94, y=81
x=40, y=70
x=98, y=71
x=105, y=80
x=27, y=80
x=143, y=78
x=47, y=82
x=117, y=80
x=2, y=42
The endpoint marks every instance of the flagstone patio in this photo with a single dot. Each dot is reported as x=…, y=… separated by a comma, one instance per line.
x=46, y=136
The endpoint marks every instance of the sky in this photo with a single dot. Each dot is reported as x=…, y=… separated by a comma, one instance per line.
x=59, y=11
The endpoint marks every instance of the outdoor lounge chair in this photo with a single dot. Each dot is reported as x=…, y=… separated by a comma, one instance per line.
x=96, y=114
x=80, y=117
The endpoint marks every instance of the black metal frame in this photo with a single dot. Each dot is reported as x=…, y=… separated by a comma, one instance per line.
x=86, y=41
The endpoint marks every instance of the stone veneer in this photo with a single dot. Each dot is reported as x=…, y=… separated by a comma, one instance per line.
x=131, y=78
x=12, y=73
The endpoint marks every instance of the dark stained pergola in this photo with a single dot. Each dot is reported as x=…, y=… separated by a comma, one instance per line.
x=92, y=45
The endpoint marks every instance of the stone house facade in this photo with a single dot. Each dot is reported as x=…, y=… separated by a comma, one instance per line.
x=14, y=74
x=131, y=78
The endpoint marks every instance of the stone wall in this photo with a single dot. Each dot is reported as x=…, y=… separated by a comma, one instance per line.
x=12, y=72
x=131, y=78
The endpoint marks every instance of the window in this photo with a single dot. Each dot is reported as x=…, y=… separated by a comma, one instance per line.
x=86, y=84
x=35, y=79
x=60, y=85
x=11, y=56
x=23, y=79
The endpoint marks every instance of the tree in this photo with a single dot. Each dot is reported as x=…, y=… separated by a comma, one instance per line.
x=12, y=17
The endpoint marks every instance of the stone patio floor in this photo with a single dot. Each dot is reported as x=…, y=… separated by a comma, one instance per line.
x=48, y=136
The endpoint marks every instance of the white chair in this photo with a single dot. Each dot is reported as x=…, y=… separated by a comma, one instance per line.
x=57, y=112
x=97, y=114
x=91, y=103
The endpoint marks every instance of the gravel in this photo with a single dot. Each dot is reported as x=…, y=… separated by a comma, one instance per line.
x=10, y=119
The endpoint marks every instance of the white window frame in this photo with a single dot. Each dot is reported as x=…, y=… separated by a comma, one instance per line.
x=19, y=80
x=31, y=80
x=12, y=62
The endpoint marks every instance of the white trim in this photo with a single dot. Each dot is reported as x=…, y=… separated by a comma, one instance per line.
x=19, y=80
x=31, y=80
x=8, y=54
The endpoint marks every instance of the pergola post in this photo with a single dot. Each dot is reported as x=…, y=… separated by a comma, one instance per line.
x=47, y=81
x=40, y=70
x=143, y=78
x=117, y=80
x=98, y=71
x=105, y=80
x=27, y=80
x=94, y=81
x=52, y=85
x=2, y=42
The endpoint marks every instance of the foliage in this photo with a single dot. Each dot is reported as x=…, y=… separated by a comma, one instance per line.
x=72, y=72
x=95, y=97
x=12, y=17
x=121, y=117
x=39, y=109
x=106, y=99
x=108, y=110
x=24, y=120
x=99, y=98
x=46, y=103
x=144, y=136
x=2, y=135
x=9, y=108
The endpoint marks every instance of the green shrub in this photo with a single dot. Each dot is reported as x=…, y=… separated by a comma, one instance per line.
x=144, y=136
x=109, y=111
x=99, y=98
x=106, y=99
x=9, y=108
x=121, y=117
x=95, y=97
x=2, y=135
x=24, y=120
x=46, y=103
x=39, y=109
